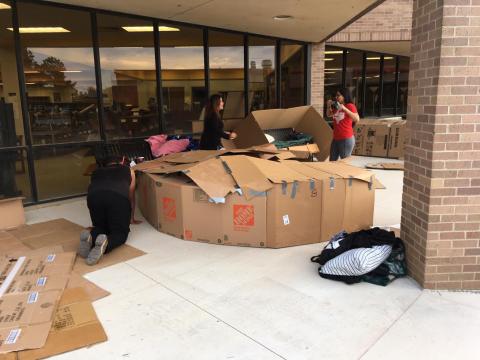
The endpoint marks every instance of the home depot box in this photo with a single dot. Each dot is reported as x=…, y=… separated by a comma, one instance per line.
x=266, y=203
x=305, y=119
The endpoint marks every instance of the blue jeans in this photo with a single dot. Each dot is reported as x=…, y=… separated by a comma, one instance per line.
x=341, y=148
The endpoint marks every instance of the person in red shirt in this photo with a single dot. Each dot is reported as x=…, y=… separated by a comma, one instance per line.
x=345, y=116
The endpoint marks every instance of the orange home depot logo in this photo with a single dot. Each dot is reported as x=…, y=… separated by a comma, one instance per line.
x=169, y=209
x=243, y=217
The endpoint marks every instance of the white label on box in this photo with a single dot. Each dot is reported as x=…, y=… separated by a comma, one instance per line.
x=13, y=336
x=32, y=298
x=51, y=257
x=42, y=281
x=286, y=220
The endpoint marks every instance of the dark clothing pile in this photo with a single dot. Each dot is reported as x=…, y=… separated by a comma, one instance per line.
x=212, y=133
x=392, y=267
x=109, y=204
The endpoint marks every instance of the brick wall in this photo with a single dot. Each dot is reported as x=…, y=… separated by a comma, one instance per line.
x=390, y=21
x=317, y=76
x=441, y=199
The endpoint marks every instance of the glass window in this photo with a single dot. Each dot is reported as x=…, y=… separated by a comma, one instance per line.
x=353, y=76
x=388, y=98
x=292, y=60
x=183, y=79
x=127, y=60
x=62, y=170
x=11, y=123
x=403, y=85
x=226, y=72
x=14, y=178
x=333, y=73
x=261, y=73
x=372, y=78
x=59, y=73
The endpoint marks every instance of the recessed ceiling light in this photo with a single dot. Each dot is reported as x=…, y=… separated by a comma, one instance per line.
x=148, y=28
x=29, y=83
x=71, y=71
x=4, y=6
x=31, y=72
x=328, y=59
x=378, y=58
x=40, y=30
x=331, y=52
x=334, y=69
x=283, y=17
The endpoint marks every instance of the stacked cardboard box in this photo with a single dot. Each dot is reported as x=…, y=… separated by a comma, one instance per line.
x=382, y=138
x=240, y=198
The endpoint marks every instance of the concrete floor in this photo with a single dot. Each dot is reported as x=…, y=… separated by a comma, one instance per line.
x=187, y=300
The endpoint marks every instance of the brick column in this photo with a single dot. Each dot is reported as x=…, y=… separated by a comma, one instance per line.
x=441, y=196
x=317, y=76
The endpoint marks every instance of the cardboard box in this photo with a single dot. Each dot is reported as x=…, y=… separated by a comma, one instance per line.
x=380, y=137
x=397, y=139
x=12, y=214
x=305, y=119
x=26, y=316
x=261, y=203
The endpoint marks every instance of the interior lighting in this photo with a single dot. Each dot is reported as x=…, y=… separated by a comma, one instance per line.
x=4, y=6
x=148, y=28
x=41, y=30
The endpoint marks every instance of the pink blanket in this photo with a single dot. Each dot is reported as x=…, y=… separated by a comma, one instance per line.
x=160, y=146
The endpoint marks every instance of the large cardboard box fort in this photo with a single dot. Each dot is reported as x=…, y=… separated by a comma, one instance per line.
x=241, y=199
x=382, y=138
x=305, y=119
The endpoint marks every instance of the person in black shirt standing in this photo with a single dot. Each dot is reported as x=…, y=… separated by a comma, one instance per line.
x=213, y=125
x=111, y=202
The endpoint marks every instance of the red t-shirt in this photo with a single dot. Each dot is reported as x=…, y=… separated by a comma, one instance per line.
x=342, y=123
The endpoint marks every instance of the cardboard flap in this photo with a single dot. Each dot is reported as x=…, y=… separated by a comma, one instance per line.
x=148, y=164
x=277, y=172
x=189, y=157
x=249, y=133
x=313, y=124
x=343, y=170
x=306, y=170
x=29, y=337
x=280, y=118
x=168, y=168
x=211, y=177
x=247, y=175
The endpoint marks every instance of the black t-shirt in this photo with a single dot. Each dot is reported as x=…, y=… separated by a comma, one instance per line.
x=116, y=178
x=212, y=133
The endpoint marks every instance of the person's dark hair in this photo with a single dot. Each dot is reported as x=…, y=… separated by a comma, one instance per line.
x=213, y=105
x=113, y=160
x=347, y=95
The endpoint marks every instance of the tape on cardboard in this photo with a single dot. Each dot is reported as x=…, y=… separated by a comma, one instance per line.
x=294, y=189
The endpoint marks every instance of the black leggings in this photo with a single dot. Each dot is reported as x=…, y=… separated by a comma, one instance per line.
x=110, y=213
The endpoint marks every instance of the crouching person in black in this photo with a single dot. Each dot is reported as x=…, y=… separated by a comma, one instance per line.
x=111, y=202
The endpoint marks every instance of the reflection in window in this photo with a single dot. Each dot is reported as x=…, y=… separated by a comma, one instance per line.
x=292, y=62
x=60, y=171
x=372, y=78
x=261, y=73
x=183, y=79
x=11, y=124
x=59, y=73
x=403, y=86
x=388, y=98
x=127, y=61
x=226, y=72
x=353, y=76
x=14, y=177
x=333, y=73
